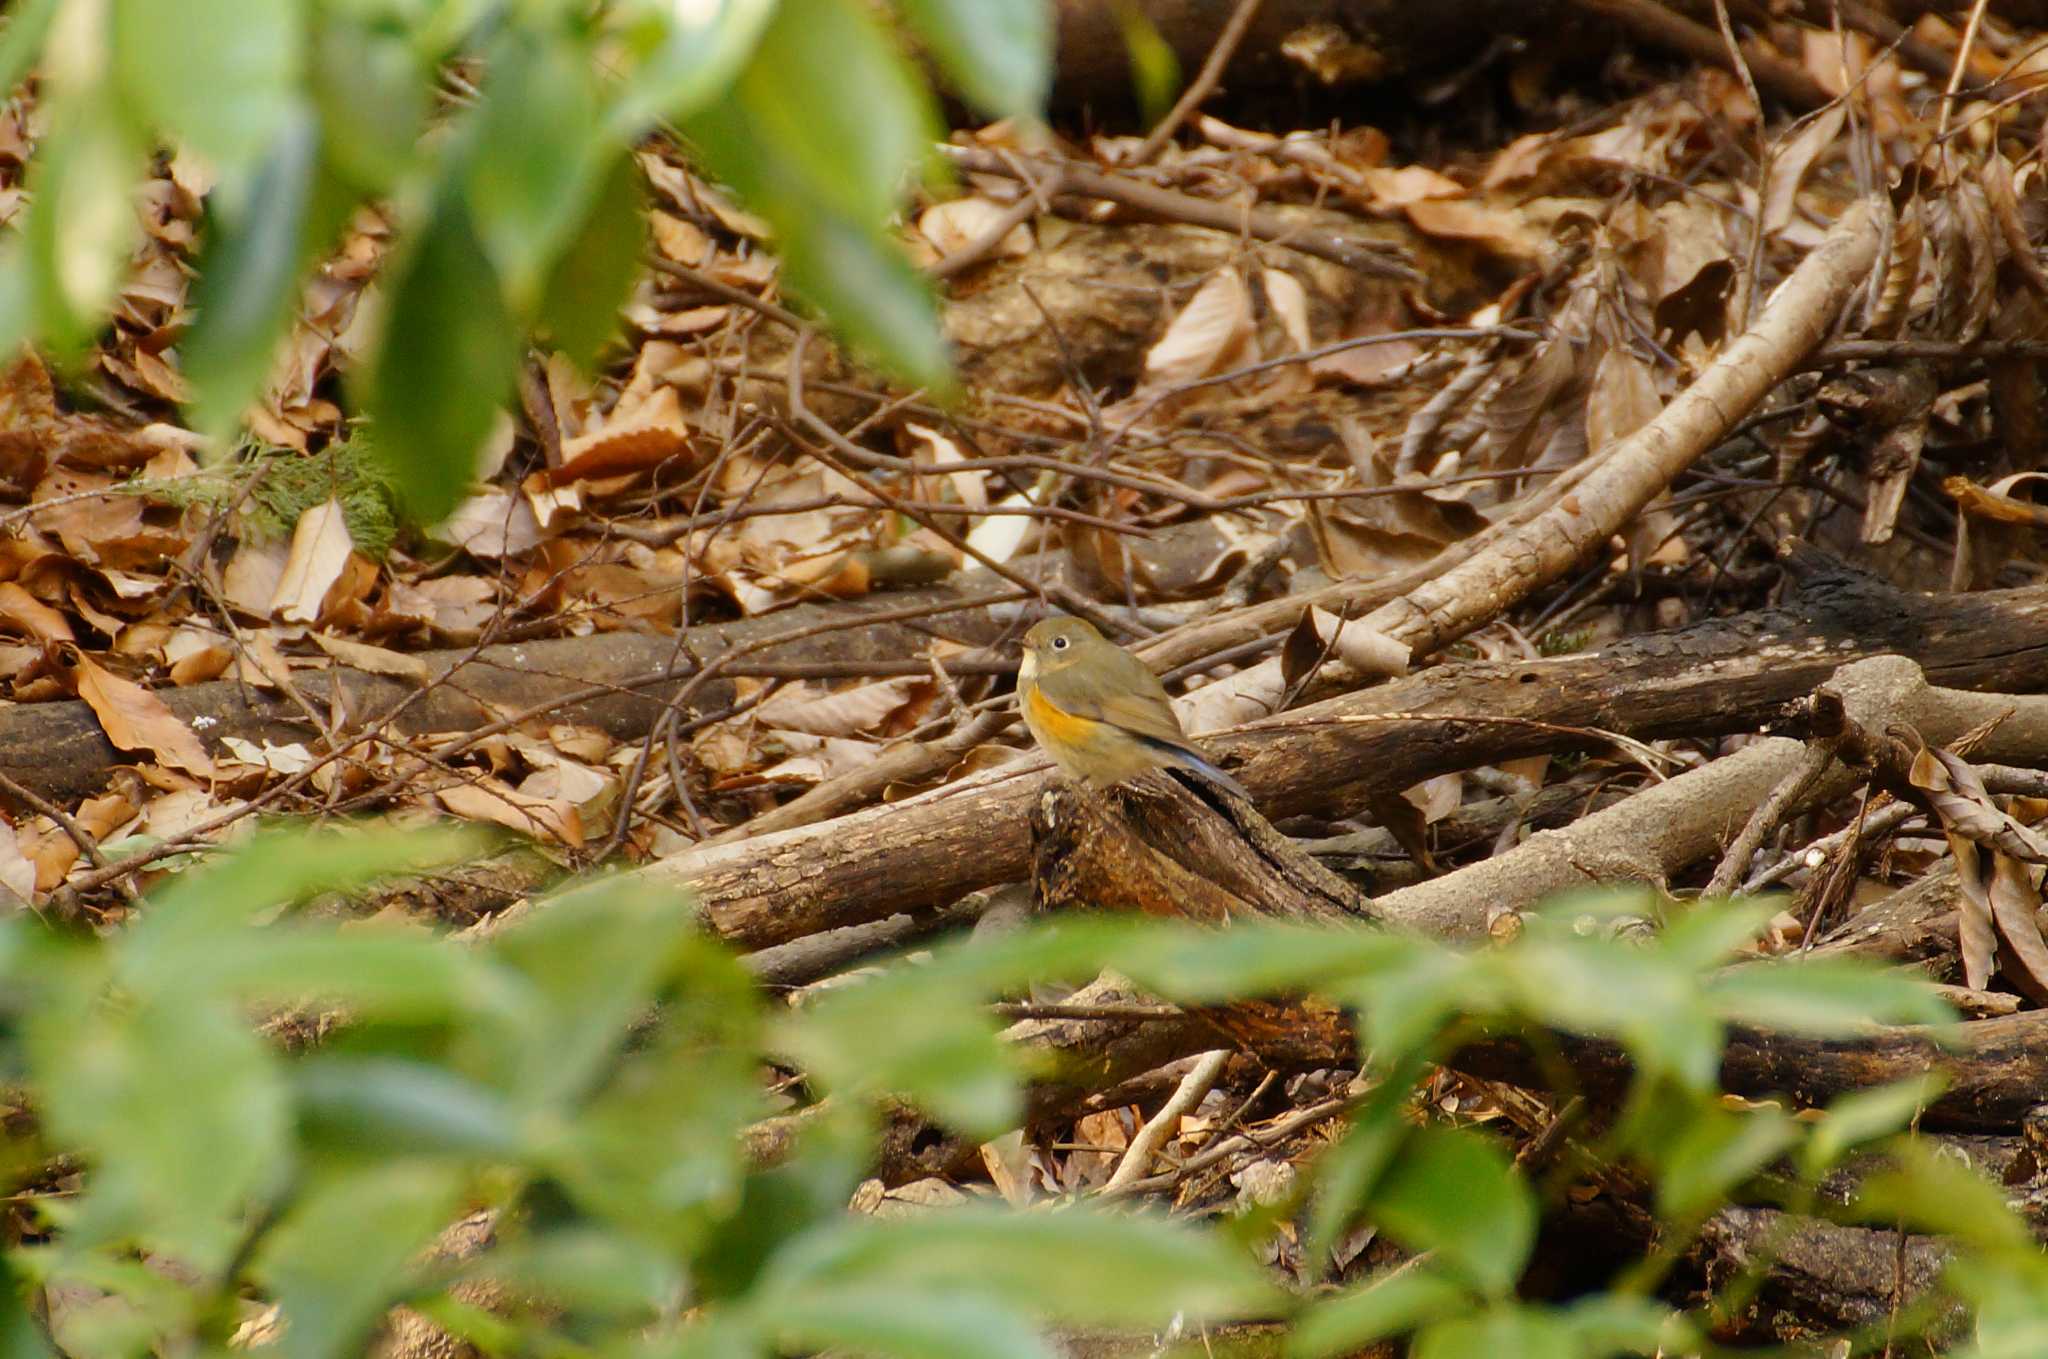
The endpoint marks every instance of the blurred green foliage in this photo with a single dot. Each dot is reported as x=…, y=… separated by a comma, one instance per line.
x=590, y=1072
x=517, y=198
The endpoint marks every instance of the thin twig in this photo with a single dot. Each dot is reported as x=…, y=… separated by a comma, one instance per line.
x=1204, y=83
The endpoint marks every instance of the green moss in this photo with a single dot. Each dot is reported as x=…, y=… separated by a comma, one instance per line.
x=291, y=483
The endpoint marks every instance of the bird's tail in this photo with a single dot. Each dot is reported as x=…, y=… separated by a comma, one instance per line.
x=1197, y=764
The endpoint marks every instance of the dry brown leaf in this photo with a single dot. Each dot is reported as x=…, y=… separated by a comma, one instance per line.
x=1959, y=798
x=288, y=759
x=680, y=240
x=492, y=524
x=133, y=718
x=319, y=553
x=631, y=439
x=1210, y=331
x=196, y=654
x=1622, y=399
x=1792, y=160
x=1996, y=501
x=31, y=617
x=2014, y=901
x=493, y=801
x=1289, y=301
x=1396, y=187
x=375, y=660
x=933, y=449
x=17, y=871
x=946, y=228
x=1464, y=220
x=1364, y=649
x=54, y=852
x=863, y=708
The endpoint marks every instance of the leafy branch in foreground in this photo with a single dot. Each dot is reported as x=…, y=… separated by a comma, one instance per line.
x=520, y=207
x=588, y=1076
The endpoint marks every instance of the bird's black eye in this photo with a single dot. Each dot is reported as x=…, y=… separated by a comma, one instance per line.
x=1059, y=644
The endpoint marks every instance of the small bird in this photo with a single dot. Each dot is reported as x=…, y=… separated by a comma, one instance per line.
x=1098, y=712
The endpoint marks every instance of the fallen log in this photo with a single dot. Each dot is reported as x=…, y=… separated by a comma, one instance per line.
x=1713, y=678
x=620, y=682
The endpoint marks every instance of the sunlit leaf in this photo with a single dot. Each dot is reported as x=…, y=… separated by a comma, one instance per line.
x=1456, y=1193
x=1825, y=997
x=1155, y=69
x=182, y=1110
x=342, y=1255
x=999, y=52
x=1080, y=1267
x=693, y=54
x=1863, y=1115
x=1525, y=1332
x=906, y=1322
x=1716, y=1151
x=1934, y=1191
x=1375, y=1311
x=79, y=229
x=222, y=76
x=23, y=32
x=827, y=170
x=373, y=95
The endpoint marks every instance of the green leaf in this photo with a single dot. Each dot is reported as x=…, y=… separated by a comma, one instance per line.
x=80, y=227
x=532, y=156
x=933, y=1043
x=591, y=1269
x=865, y=119
x=998, y=52
x=183, y=1112
x=1827, y=998
x=1377, y=1311
x=444, y=362
x=1931, y=1191
x=288, y=864
x=2009, y=1289
x=864, y=282
x=20, y=1337
x=692, y=54
x=1080, y=1267
x=222, y=76
x=1155, y=69
x=1614, y=1323
x=908, y=1323
x=248, y=287
x=387, y=1106
x=595, y=958
x=1710, y=932
x=1524, y=1332
x=594, y=271
x=1716, y=1151
x=1864, y=1115
x=660, y=1149
x=22, y=37
x=1262, y=959
x=1456, y=1193
x=1608, y=987
x=827, y=169
x=345, y=1252
x=374, y=98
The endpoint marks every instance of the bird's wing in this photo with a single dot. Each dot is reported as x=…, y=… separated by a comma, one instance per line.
x=1138, y=703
